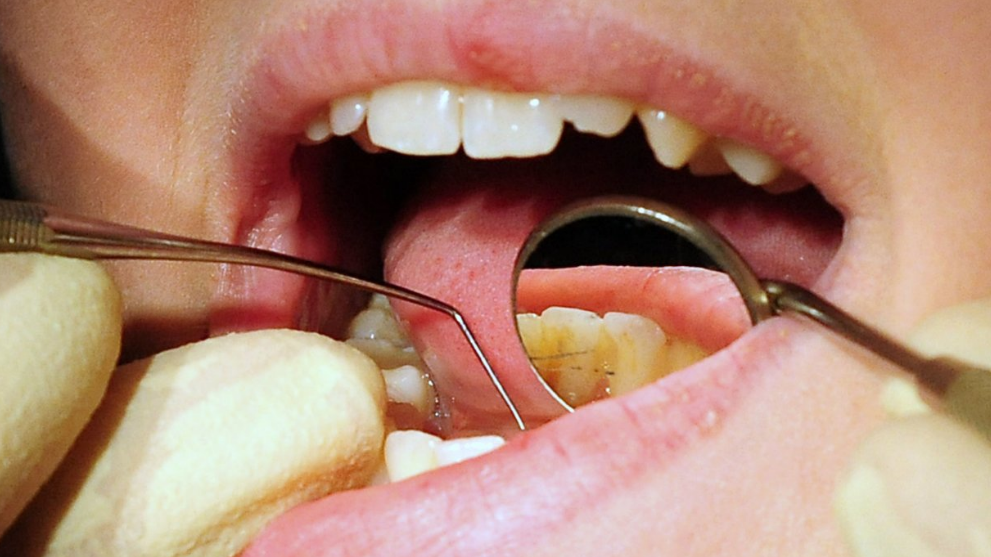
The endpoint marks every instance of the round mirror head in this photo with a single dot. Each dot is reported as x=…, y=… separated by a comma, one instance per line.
x=614, y=293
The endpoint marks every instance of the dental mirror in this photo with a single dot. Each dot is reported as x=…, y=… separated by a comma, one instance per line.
x=614, y=293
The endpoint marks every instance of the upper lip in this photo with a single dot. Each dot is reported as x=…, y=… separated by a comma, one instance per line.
x=314, y=53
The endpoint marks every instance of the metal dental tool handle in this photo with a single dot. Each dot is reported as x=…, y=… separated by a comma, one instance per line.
x=964, y=389
x=30, y=227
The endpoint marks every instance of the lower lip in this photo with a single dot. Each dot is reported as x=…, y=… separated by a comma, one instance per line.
x=608, y=462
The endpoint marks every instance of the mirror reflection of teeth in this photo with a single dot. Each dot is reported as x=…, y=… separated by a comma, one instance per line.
x=584, y=357
x=437, y=118
x=195, y=449
x=55, y=364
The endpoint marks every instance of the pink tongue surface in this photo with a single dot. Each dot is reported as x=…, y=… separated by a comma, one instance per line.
x=459, y=242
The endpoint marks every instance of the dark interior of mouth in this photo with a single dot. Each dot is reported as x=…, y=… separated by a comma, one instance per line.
x=450, y=226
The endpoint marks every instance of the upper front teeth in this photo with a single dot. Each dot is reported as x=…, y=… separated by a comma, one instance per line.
x=673, y=140
x=496, y=125
x=435, y=118
x=416, y=118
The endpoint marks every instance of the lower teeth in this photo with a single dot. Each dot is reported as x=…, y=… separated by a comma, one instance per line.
x=412, y=399
x=409, y=453
x=584, y=357
x=581, y=356
x=375, y=331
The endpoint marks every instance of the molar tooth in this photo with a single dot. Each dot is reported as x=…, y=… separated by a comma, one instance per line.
x=602, y=116
x=708, y=161
x=567, y=354
x=673, y=140
x=376, y=332
x=751, y=165
x=376, y=322
x=416, y=118
x=584, y=357
x=318, y=129
x=508, y=124
x=408, y=385
x=639, y=351
x=347, y=114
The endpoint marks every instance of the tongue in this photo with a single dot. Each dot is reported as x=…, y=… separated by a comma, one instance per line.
x=460, y=237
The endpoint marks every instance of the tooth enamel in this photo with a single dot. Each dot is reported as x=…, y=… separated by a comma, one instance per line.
x=409, y=385
x=318, y=129
x=583, y=357
x=415, y=118
x=376, y=332
x=460, y=450
x=377, y=322
x=594, y=114
x=752, y=166
x=347, y=114
x=639, y=350
x=435, y=118
x=566, y=352
x=672, y=139
x=496, y=125
x=708, y=161
x=409, y=453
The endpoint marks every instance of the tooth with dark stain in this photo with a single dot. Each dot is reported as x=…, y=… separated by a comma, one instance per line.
x=584, y=357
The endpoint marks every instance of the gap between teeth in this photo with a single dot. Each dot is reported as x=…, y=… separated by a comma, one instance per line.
x=435, y=118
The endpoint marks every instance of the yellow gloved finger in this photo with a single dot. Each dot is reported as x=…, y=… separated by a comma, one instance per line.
x=921, y=485
x=963, y=332
x=60, y=330
x=195, y=449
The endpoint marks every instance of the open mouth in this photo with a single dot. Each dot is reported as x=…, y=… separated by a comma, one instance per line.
x=488, y=167
x=449, y=225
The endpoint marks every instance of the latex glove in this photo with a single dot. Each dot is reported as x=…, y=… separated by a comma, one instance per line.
x=60, y=329
x=921, y=485
x=192, y=451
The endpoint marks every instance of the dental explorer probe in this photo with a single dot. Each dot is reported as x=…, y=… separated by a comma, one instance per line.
x=32, y=227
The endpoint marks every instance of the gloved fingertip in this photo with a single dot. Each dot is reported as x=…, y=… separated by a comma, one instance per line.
x=919, y=486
